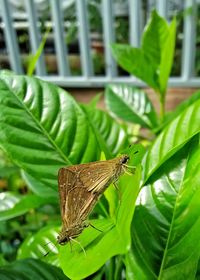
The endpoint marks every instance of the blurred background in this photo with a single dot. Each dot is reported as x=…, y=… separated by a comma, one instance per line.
x=76, y=53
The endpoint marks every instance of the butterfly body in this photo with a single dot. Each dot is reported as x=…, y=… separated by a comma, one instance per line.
x=80, y=187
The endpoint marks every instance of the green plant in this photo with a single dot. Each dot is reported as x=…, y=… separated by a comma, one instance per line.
x=42, y=128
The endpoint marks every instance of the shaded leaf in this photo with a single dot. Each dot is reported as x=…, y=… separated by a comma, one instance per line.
x=131, y=104
x=30, y=269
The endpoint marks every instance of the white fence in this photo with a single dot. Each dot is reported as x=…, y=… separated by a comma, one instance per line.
x=29, y=15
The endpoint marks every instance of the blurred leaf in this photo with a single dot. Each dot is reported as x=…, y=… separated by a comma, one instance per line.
x=13, y=205
x=30, y=269
x=152, y=63
x=110, y=135
x=43, y=128
x=99, y=247
x=131, y=104
x=2, y=260
x=33, y=59
x=166, y=224
x=172, y=139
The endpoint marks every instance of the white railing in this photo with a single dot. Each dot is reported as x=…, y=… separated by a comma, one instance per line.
x=29, y=18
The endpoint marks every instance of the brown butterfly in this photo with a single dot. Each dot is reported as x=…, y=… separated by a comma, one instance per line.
x=80, y=186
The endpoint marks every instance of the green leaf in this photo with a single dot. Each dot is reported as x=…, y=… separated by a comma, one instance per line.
x=42, y=245
x=43, y=128
x=37, y=187
x=13, y=205
x=30, y=269
x=137, y=63
x=170, y=116
x=172, y=139
x=166, y=224
x=34, y=58
x=152, y=63
x=110, y=135
x=167, y=56
x=100, y=246
x=131, y=104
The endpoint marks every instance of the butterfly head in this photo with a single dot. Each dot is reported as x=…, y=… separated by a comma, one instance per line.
x=62, y=239
x=124, y=159
x=68, y=234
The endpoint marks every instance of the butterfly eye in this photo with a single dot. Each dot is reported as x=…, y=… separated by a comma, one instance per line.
x=125, y=159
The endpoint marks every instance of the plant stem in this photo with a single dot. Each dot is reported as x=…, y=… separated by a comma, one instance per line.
x=162, y=111
x=162, y=107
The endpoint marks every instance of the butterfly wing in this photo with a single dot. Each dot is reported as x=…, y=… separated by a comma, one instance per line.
x=96, y=176
x=80, y=187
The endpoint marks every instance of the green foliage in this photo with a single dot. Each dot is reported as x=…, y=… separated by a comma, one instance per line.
x=131, y=104
x=34, y=57
x=31, y=269
x=43, y=128
x=153, y=61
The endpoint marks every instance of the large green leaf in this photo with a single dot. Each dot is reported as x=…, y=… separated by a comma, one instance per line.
x=100, y=246
x=166, y=224
x=152, y=63
x=172, y=138
x=110, y=135
x=43, y=128
x=14, y=205
x=131, y=104
x=30, y=269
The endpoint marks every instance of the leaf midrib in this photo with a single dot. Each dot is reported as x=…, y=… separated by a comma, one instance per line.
x=37, y=122
x=170, y=229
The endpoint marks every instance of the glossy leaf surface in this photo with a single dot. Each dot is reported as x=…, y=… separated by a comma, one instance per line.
x=43, y=128
x=166, y=224
x=131, y=104
x=172, y=138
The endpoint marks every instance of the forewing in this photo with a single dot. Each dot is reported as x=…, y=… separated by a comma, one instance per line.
x=80, y=187
x=96, y=176
x=66, y=180
x=76, y=201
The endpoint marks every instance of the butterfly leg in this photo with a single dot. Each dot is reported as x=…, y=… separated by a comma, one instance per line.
x=79, y=243
x=118, y=190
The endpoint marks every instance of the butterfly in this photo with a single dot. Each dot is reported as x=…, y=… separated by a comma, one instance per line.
x=80, y=187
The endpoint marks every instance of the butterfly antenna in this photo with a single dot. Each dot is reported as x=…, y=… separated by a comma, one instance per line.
x=74, y=240
x=50, y=242
x=95, y=227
